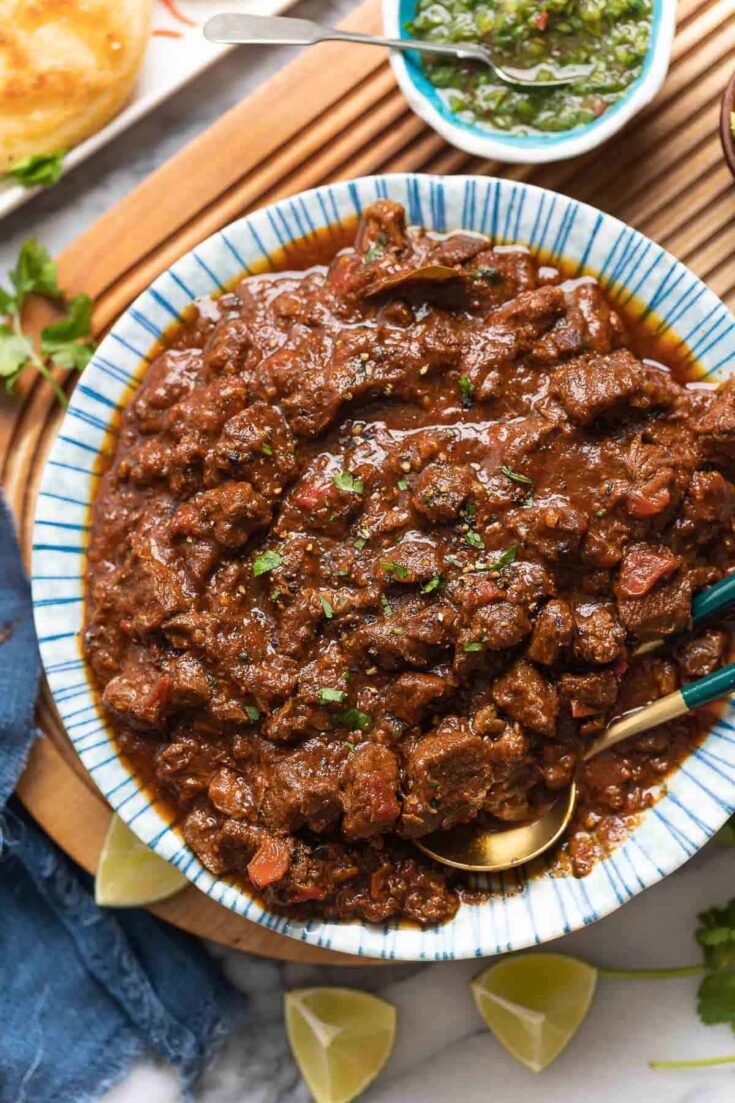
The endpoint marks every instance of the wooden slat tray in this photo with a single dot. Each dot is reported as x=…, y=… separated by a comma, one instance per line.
x=335, y=113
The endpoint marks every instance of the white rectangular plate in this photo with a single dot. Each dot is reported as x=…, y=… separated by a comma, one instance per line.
x=177, y=52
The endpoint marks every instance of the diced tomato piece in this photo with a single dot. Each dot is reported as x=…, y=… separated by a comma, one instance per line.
x=580, y=710
x=484, y=593
x=643, y=567
x=309, y=892
x=270, y=863
x=642, y=504
x=312, y=495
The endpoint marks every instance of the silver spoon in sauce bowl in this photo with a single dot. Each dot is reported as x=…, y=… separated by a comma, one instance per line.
x=485, y=851
x=238, y=29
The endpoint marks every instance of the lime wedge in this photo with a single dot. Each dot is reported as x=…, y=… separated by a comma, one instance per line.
x=340, y=1039
x=535, y=1003
x=129, y=874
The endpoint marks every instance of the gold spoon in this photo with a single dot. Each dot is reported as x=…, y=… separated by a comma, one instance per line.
x=485, y=851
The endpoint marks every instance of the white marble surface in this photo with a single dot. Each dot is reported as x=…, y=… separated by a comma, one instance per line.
x=443, y=1051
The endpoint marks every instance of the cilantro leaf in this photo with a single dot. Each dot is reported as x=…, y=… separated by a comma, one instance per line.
x=326, y=694
x=252, y=713
x=267, y=561
x=34, y=272
x=396, y=569
x=343, y=480
x=466, y=388
x=487, y=275
x=354, y=719
x=716, y=936
x=507, y=557
x=402, y=484
x=378, y=249
x=515, y=476
x=475, y=541
x=716, y=1000
x=40, y=170
x=474, y=646
x=67, y=343
x=328, y=610
x=433, y=584
x=15, y=352
x=387, y=607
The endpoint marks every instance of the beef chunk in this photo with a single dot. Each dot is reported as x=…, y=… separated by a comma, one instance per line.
x=643, y=566
x=661, y=611
x=140, y=699
x=598, y=635
x=589, y=693
x=498, y=626
x=258, y=446
x=411, y=636
x=525, y=695
x=554, y=531
x=527, y=584
x=448, y=777
x=552, y=632
x=370, y=784
x=593, y=386
x=189, y=683
x=441, y=490
x=708, y=509
x=186, y=765
x=202, y=832
x=408, y=695
x=588, y=324
x=410, y=562
x=716, y=429
x=230, y=793
x=704, y=654
x=303, y=787
x=230, y=513
x=512, y=772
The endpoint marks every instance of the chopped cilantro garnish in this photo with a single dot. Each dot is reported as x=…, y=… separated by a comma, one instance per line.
x=507, y=557
x=354, y=719
x=267, y=561
x=515, y=476
x=470, y=508
x=402, y=484
x=252, y=713
x=378, y=249
x=267, y=450
x=359, y=543
x=433, y=584
x=386, y=605
x=275, y=593
x=343, y=480
x=398, y=632
x=328, y=610
x=487, y=275
x=396, y=569
x=350, y=746
x=474, y=646
x=475, y=541
x=466, y=388
x=453, y=560
x=337, y=695
x=40, y=170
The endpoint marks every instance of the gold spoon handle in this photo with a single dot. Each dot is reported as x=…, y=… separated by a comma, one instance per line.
x=660, y=712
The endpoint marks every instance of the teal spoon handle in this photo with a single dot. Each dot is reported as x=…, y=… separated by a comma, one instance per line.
x=710, y=688
x=713, y=600
x=720, y=683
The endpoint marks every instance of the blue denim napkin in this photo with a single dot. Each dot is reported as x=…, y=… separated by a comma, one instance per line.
x=83, y=991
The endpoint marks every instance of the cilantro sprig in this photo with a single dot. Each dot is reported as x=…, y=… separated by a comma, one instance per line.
x=64, y=344
x=40, y=170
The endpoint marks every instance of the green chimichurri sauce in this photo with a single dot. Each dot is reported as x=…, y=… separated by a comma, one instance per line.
x=610, y=37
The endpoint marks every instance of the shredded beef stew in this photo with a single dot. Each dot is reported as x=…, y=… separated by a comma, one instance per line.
x=373, y=554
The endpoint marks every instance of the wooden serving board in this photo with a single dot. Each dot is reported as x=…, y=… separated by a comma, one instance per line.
x=336, y=113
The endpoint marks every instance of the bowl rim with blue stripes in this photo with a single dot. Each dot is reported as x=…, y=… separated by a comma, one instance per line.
x=520, y=911
x=536, y=148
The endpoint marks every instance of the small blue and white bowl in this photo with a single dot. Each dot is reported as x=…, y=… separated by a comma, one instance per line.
x=498, y=145
x=521, y=911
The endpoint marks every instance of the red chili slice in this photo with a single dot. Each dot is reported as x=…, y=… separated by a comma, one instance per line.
x=269, y=863
x=643, y=567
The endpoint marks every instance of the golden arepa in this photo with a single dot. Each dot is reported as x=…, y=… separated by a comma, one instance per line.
x=66, y=67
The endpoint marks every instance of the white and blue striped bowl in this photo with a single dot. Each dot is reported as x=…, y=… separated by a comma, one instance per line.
x=499, y=145
x=520, y=913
